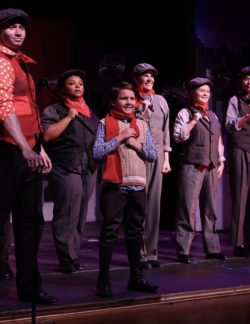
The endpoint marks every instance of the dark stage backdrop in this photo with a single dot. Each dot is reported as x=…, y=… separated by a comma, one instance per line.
x=160, y=33
x=69, y=37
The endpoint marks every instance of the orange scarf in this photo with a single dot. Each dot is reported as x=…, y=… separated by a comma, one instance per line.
x=113, y=169
x=24, y=58
x=202, y=107
x=142, y=93
x=78, y=104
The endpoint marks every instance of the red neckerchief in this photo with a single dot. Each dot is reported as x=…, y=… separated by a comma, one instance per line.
x=78, y=104
x=24, y=58
x=202, y=107
x=142, y=93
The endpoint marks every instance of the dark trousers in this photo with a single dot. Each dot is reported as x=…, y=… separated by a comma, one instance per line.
x=5, y=239
x=21, y=193
x=120, y=206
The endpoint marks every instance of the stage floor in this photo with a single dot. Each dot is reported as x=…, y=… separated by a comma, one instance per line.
x=202, y=279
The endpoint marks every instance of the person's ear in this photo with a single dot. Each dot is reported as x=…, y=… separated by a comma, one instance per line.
x=112, y=103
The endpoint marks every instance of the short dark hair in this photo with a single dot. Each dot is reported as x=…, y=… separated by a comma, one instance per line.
x=116, y=88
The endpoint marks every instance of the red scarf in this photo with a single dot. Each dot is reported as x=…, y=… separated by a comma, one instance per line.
x=113, y=169
x=78, y=104
x=142, y=93
x=24, y=58
x=202, y=107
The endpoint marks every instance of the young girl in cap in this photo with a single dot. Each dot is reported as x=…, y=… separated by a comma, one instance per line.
x=198, y=130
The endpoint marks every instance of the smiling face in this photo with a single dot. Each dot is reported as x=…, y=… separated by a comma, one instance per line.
x=146, y=81
x=125, y=101
x=73, y=87
x=202, y=94
x=13, y=36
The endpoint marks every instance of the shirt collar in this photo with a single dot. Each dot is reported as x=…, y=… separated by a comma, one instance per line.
x=20, y=55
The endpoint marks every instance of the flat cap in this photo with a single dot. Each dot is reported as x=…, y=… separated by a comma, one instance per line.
x=244, y=71
x=66, y=74
x=11, y=14
x=142, y=68
x=198, y=82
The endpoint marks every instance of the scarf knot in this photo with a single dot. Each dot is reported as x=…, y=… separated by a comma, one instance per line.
x=78, y=104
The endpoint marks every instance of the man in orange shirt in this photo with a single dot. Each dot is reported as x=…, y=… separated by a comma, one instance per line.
x=22, y=159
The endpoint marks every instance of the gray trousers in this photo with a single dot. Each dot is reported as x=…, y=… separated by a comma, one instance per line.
x=240, y=183
x=70, y=197
x=149, y=249
x=195, y=188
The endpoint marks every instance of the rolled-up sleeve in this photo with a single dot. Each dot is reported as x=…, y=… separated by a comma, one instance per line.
x=49, y=117
x=180, y=133
x=7, y=79
x=232, y=117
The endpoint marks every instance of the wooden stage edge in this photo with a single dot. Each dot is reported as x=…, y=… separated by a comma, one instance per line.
x=66, y=313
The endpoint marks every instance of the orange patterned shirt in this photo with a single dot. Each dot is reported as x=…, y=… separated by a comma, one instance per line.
x=7, y=79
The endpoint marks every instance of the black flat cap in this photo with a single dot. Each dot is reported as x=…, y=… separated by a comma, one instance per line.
x=66, y=74
x=198, y=82
x=12, y=15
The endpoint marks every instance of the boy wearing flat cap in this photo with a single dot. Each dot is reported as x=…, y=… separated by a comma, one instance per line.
x=154, y=110
x=22, y=159
x=238, y=127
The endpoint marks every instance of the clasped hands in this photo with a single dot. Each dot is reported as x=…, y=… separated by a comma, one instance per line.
x=128, y=136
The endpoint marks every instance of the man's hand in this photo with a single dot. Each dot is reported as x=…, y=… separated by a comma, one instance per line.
x=37, y=162
x=47, y=167
x=33, y=159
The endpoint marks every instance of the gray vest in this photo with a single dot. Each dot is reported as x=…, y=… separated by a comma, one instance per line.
x=202, y=146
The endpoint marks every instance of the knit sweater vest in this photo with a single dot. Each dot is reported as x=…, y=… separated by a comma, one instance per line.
x=133, y=166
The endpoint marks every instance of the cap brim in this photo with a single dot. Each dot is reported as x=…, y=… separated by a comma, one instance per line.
x=17, y=19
